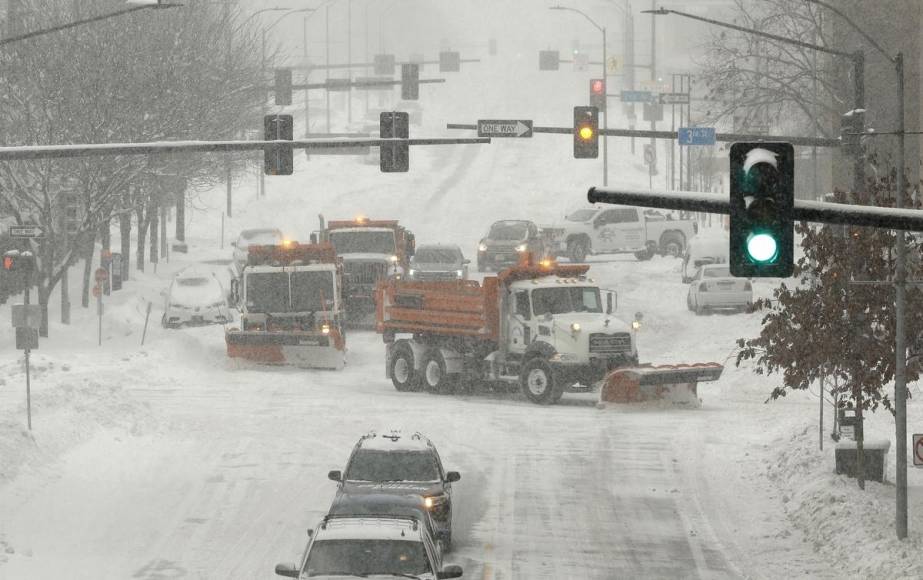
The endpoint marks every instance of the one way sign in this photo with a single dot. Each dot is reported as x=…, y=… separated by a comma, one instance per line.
x=504, y=128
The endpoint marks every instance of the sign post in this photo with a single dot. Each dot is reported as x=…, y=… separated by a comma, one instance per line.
x=504, y=128
x=101, y=276
x=26, y=319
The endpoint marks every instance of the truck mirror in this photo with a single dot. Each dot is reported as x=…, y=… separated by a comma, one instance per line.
x=335, y=475
x=234, y=294
x=611, y=302
x=313, y=237
x=287, y=570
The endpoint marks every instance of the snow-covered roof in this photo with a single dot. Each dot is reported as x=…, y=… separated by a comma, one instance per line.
x=370, y=528
x=395, y=441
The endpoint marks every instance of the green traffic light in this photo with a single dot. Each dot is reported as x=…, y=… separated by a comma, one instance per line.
x=762, y=248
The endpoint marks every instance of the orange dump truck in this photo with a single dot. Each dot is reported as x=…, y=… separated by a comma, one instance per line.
x=290, y=302
x=545, y=328
x=372, y=251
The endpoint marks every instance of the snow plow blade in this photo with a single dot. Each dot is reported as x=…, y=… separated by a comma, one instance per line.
x=676, y=384
x=301, y=349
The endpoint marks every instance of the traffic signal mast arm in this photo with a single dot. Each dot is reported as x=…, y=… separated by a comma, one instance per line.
x=809, y=211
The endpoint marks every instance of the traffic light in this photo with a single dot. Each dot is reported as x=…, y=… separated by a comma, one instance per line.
x=852, y=124
x=395, y=157
x=283, y=87
x=548, y=60
x=410, y=82
x=449, y=61
x=762, y=199
x=598, y=94
x=277, y=159
x=586, y=132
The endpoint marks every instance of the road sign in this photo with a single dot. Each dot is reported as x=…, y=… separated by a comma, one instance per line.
x=918, y=449
x=674, y=98
x=31, y=232
x=613, y=64
x=504, y=128
x=26, y=315
x=636, y=97
x=97, y=291
x=696, y=136
x=26, y=338
x=649, y=157
x=656, y=86
x=101, y=275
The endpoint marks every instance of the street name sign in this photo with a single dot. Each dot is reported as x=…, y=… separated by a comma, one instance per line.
x=696, y=136
x=31, y=232
x=674, y=98
x=504, y=128
x=636, y=96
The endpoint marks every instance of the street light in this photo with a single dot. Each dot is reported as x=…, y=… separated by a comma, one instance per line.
x=602, y=29
x=134, y=6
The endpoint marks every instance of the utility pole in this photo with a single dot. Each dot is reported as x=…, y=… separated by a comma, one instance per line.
x=349, y=57
x=327, y=57
x=304, y=52
x=900, y=363
x=653, y=68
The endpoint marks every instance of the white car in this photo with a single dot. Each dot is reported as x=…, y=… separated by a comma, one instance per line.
x=195, y=298
x=255, y=237
x=710, y=248
x=714, y=288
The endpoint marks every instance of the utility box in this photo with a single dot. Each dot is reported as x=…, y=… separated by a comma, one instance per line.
x=875, y=460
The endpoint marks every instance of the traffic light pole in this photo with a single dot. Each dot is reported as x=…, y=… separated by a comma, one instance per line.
x=605, y=114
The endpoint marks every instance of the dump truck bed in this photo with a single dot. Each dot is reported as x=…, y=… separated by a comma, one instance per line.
x=461, y=308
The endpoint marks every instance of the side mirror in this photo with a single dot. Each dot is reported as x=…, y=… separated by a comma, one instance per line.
x=291, y=571
x=611, y=302
x=313, y=238
x=451, y=571
x=310, y=532
x=335, y=475
x=452, y=476
x=234, y=294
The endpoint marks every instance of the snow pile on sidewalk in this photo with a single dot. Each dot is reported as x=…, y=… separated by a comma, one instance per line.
x=847, y=525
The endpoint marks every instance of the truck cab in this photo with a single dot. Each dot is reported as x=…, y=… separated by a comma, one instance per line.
x=372, y=251
x=290, y=302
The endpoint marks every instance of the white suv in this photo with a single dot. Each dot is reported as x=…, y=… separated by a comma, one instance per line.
x=363, y=546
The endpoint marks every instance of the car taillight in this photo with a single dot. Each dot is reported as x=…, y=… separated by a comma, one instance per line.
x=703, y=287
x=748, y=286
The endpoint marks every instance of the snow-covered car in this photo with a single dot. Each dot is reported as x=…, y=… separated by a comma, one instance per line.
x=704, y=248
x=365, y=546
x=714, y=288
x=254, y=237
x=403, y=465
x=438, y=262
x=195, y=298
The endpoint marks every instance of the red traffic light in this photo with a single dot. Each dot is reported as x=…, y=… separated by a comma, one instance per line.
x=8, y=263
x=597, y=86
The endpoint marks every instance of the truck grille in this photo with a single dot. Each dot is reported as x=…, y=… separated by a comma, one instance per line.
x=435, y=276
x=365, y=272
x=609, y=344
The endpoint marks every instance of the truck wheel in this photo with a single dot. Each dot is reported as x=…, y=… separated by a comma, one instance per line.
x=434, y=376
x=577, y=251
x=671, y=245
x=403, y=375
x=644, y=255
x=538, y=381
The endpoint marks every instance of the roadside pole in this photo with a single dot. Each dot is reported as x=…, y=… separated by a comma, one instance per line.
x=147, y=316
x=101, y=276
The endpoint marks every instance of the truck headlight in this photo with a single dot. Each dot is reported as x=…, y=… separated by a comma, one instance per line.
x=636, y=324
x=411, y=272
x=482, y=247
x=575, y=327
x=459, y=273
x=522, y=248
x=393, y=259
x=325, y=329
x=564, y=357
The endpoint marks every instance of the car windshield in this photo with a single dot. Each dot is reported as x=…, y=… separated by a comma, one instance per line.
x=192, y=282
x=371, y=465
x=717, y=273
x=366, y=557
x=370, y=242
x=312, y=291
x=505, y=231
x=566, y=299
x=267, y=292
x=437, y=256
x=581, y=215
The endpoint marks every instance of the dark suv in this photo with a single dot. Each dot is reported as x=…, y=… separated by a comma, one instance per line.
x=506, y=241
x=394, y=463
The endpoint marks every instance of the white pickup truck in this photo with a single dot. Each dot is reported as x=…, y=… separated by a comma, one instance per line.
x=618, y=229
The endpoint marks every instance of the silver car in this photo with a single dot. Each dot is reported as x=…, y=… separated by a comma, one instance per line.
x=438, y=262
x=714, y=288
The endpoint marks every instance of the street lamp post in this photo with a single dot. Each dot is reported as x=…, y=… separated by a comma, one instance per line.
x=602, y=29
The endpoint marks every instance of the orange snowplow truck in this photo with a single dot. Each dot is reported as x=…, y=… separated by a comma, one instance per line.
x=542, y=327
x=290, y=302
x=372, y=251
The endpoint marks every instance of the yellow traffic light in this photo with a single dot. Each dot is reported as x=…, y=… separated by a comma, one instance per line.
x=586, y=132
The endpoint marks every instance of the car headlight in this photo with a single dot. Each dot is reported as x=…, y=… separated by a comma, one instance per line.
x=482, y=247
x=522, y=248
x=433, y=501
x=393, y=259
x=411, y=272
x=459, y=273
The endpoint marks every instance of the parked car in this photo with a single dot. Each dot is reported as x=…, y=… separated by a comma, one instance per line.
x=505, y=241
x=401, y=464
x=254, y=237
x=704, y=249
x=365, y=546
x=195, y=298
x=438, y=262
x=714, y=288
